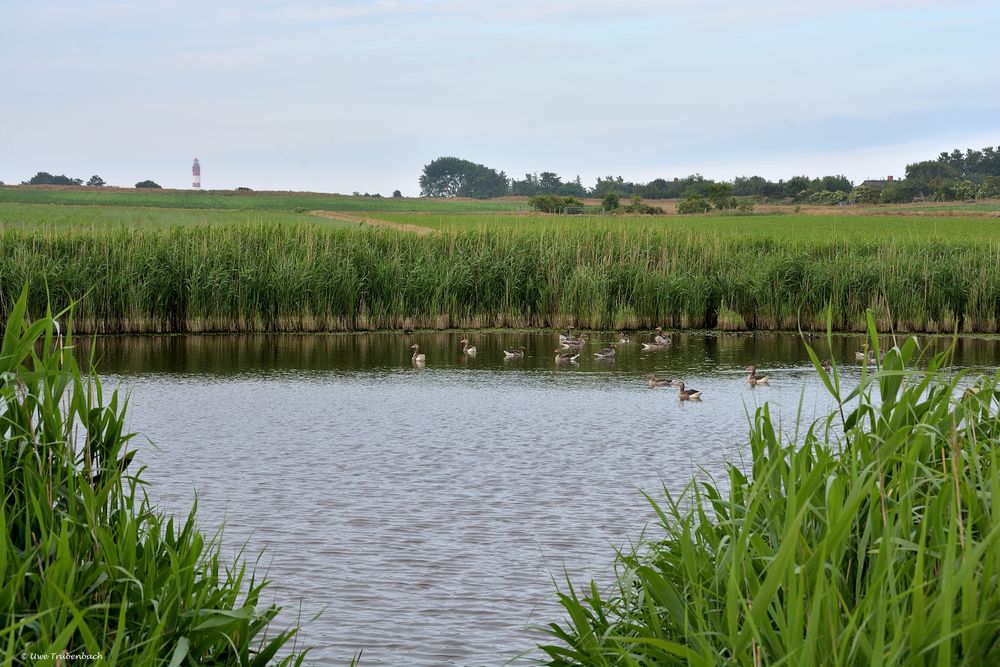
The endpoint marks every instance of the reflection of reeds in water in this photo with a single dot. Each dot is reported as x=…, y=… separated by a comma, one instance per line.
x=304, y=277
x=226, y=354
x=873, y=538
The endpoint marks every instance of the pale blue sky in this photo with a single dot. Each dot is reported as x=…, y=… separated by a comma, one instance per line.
x=344, y=96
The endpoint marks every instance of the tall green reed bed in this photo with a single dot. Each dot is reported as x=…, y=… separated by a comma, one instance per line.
x=307, y=277
x=90, y=572
x=870, y=539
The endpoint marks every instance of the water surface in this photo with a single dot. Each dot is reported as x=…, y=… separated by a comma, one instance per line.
x=427, y=512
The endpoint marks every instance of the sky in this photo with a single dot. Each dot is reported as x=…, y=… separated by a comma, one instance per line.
x=359, y=95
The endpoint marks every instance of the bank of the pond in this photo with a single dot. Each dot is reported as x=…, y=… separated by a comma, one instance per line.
x=868, y=538
x=306, y=277
x=91, y=570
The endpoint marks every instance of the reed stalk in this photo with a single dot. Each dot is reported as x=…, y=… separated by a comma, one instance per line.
x=270, y=277
x=868, y=538
x=88, y=567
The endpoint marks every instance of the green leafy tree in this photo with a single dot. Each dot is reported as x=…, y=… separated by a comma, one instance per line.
x=612, y=184
x=899, y=193
x=549, y=182
x=755, y=186
x=796, y=187
x=863, y=195
x=525, y=188
x=695, y=184
x=45, y=178
x=550, y=203
x=833, y=184
x=454, y=177
x=396, y=194
x=929, y=176
x=611, y=201
x=147, y=184
x=990, y=188
x=638, y=206
x=96, y=182
x=721, y=196
x=694, y=204
x=574, y=188
x=658, y=188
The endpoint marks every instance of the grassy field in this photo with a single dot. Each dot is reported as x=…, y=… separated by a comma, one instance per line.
x=156, y=268
x=227, y=199
x=792, y=228
x=54, y=217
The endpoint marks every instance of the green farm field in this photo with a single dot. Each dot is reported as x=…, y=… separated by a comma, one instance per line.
x=59, y=217
x=229, y=199
x=793, y=228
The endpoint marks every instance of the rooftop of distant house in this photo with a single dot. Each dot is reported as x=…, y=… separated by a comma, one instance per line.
x=878, y=183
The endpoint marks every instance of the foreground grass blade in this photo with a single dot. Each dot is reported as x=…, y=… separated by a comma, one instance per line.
x=871, y=540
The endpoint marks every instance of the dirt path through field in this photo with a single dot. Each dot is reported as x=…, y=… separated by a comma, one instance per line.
x=375, y=222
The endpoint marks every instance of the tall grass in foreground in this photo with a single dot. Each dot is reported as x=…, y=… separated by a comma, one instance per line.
x=307, y=277
x=87, y=566
x=872, y=540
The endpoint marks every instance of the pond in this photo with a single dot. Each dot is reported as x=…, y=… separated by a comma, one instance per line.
x=428, y=514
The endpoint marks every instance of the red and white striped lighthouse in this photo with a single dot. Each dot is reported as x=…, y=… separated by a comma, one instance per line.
x=196, y=175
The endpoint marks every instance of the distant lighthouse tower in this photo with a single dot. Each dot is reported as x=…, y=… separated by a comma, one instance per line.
x=196, y=175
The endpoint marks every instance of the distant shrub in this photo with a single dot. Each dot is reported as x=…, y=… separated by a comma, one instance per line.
x=863, y=195
x=637, y=206
x=243, y=189
x=990, y=188
x=694, y=204
x=552, y=203
x=45, y=178
x=611, y=201
x=721, y=196
x=147, y=184
x=827, y=198
x=396, y=194
x=898, y=194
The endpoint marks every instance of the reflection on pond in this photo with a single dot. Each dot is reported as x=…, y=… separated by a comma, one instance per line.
x=426, y=512
x=229, y=354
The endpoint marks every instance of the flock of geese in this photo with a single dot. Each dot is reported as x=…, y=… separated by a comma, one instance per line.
x=571, y=347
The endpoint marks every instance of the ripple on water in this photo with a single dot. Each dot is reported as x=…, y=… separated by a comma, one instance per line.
x=427, y=512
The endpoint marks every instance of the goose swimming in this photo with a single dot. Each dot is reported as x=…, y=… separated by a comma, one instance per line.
x=686, y=394
x=608, y=352
x=656, y=382
x=564, y=357
x=753, y=378
x=418, y=357
x=467, y=350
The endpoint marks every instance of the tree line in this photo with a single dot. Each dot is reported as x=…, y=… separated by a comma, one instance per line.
x=45, y=178
x=956, y=175
x=952, y=176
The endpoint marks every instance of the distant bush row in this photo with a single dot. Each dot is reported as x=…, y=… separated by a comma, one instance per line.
x=45, y=178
